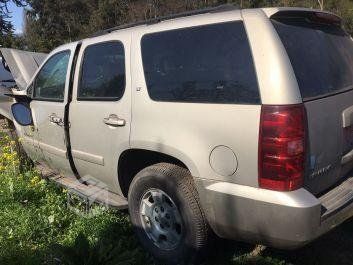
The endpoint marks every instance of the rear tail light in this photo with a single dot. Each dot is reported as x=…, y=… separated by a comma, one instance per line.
x=282, y=146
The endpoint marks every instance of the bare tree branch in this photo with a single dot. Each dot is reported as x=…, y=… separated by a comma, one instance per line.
x=321, y=4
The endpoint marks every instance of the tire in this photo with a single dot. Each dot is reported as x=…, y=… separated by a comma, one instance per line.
x=177, y=184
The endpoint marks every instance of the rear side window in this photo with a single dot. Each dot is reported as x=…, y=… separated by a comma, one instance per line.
x=321, y=54
x=206, y=64
x=103, y=72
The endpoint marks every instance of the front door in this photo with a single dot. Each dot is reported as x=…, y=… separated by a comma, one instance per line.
x=50, y=88
x=101, y=108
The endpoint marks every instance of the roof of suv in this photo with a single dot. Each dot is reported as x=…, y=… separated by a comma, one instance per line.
x=197, y=14
x=204, y=12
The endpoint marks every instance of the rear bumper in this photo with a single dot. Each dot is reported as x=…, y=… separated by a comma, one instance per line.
x=285, y=220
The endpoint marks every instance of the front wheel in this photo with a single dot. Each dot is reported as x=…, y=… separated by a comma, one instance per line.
x=166, y=214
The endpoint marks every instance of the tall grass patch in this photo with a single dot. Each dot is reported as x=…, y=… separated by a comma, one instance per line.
x=36, y=226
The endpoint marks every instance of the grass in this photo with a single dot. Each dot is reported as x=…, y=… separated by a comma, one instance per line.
x=37, y=228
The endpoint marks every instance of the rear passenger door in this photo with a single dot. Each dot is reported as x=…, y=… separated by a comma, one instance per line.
x=100, y=108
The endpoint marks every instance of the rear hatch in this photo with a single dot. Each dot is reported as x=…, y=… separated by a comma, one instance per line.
x=321, y=53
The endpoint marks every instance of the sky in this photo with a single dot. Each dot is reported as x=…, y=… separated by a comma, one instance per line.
x=16, y=17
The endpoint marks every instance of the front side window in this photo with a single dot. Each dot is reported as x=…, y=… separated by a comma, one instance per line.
x=103, y=72
x=205, y=64
x=50, y=81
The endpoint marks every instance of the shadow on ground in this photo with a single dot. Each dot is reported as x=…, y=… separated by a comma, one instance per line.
x=333, y=248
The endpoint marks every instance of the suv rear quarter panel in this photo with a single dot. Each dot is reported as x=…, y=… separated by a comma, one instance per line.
x=190, y=131
x=277, y=81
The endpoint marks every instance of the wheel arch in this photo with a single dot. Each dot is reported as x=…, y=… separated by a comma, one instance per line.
x=132, y=161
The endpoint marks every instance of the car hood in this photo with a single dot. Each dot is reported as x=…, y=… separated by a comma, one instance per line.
x=22, y=64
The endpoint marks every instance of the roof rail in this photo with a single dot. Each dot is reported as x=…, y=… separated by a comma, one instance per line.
x=216, y=9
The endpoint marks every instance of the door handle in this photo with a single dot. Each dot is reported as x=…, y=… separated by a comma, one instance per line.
x=53, y=118
x=114, y=120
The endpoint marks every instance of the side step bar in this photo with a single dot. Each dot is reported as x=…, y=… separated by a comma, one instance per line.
x=90, y=193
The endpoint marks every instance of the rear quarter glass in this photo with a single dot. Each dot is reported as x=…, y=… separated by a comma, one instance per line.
x=321, y=55
x=204, y=64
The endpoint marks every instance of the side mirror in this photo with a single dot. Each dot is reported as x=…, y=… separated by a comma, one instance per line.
x=22, y=114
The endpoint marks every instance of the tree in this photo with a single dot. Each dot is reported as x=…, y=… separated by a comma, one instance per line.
x=106, y=14
x=7, y=37
x=50, y=23
x=321, y=4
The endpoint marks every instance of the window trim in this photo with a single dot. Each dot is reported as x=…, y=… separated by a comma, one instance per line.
x=98, y=99
x=241, y=21
x=35, y=79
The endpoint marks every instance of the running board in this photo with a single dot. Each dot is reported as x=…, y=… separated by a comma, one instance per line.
x=89, y=193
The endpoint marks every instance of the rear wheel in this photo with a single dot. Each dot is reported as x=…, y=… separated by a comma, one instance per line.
x=166, y=214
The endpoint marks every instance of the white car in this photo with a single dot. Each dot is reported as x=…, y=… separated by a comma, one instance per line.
x=225, y=121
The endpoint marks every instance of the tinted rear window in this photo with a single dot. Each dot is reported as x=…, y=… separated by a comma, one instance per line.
x=321, y=55
x=103, y=72
x=201, y=64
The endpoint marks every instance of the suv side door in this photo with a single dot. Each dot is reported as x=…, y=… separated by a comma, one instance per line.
x=49, y=97
x=100, y=111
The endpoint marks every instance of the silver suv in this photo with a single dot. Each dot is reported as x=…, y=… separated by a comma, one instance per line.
x=237, y=122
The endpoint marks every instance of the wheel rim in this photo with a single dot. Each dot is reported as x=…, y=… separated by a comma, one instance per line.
x=161, y=219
